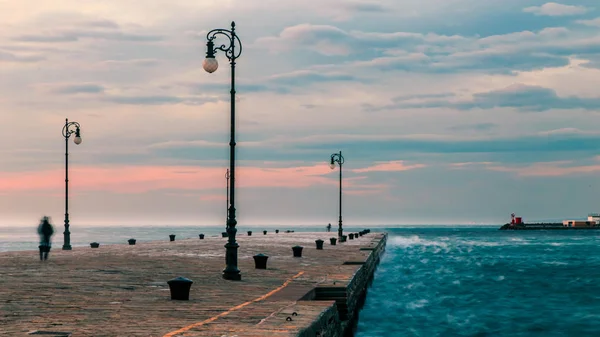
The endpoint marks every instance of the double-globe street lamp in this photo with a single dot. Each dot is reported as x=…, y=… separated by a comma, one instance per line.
x=210, y=64
x=67, y=131
x=338, y=158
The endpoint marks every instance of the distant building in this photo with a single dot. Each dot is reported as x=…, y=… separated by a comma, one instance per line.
x=579, y=223
x=594, y=217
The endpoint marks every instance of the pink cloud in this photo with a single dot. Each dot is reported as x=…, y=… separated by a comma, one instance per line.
x=137, y=179
x=550, y=169
x=467, y=164
x=391, y=166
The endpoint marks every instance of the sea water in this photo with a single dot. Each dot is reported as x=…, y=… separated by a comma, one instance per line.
x=19, y=238
x=468, y=281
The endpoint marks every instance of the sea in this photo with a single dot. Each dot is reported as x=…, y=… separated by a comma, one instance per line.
x=439, y=280
x=479, y=281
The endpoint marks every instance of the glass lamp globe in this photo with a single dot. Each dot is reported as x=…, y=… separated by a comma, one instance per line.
x=210, y=64
x=77, y=140
x=332, y=166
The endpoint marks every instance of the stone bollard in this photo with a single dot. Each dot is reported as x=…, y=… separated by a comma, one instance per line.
x=94, y=245
x=180, y=288
x=260, y=261
x=344, y=237
x=171, y=237
x=333, y=241
x=351, y=236
x=319, y=244
x=131, y=242
x=297, y=251
x=201, y=236
x=277, y=231
x=265, y=232
x=249, y=233
x=224, y=234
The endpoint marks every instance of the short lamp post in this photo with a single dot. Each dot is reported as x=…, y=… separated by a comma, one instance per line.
x=338, y=158
x=68, y=129
x=232, y=50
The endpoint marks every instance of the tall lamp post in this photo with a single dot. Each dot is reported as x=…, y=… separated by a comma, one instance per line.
x=210, y=64
x=227, y=189
x=338, y=158
x=67, y=131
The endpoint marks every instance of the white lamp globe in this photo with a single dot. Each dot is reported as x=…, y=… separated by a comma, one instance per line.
x=210, y=64
x=332, y=166
x=77, y=140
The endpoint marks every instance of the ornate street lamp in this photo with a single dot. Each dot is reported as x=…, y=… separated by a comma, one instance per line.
x=67, y=131
x=210, y=64
x=338, y=158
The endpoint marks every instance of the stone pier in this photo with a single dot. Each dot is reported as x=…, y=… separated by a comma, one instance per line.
x=121, y=290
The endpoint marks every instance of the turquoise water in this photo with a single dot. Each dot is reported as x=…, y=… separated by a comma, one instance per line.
x=20, y=238
x=485, y=282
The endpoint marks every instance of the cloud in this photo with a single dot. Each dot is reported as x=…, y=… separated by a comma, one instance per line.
x=73, y=35
x=14, y=58
x=518, y=96
x=555, y=9
x=551, y=169
x=305, y=77
x=366, y=7
x=474, y=127
x=392, y=166
x=140, y=179
x=78, y=88
x=157, y=100
x=131, y=62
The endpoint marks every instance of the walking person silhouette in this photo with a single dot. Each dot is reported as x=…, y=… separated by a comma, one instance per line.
x=45, y=231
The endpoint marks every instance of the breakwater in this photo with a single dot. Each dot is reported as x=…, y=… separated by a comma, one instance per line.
x=122, y=290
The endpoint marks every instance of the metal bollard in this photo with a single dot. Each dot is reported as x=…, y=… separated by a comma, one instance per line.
x=319, y=244
x=260, y=261
x=131, y=242
x=297, y=251
x=249, y=233
x=201, y=236
x=180, y=288
x=94, y=245
x=333, y=241
x=171, y=237
x=265, y=232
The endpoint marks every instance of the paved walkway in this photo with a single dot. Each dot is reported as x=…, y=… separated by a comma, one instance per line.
x=121, y=290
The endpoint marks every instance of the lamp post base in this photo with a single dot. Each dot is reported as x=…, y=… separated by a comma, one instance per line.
x=232, y=276
x=231, y=272
x=67, y=247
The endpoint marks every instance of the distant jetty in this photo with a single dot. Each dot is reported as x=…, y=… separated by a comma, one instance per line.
x=543, y=226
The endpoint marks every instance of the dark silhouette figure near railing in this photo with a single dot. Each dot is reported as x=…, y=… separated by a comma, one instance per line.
x=45, y=230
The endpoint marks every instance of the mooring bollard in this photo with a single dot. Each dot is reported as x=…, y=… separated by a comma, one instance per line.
x=180, y=288
x=224, y=234
x=201, y=236
x=277, y=231
x=344, y=237
x=333, y=241
x=265, y=232
x=260, y=261
x=249, y=233
x=361, y=233
x=94, y=245
x=171, y=237
x=351, y=236
x=131, y=242
x=319, y=244
x=297, y=251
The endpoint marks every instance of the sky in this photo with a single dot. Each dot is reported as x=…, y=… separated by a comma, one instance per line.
x=446, y=111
